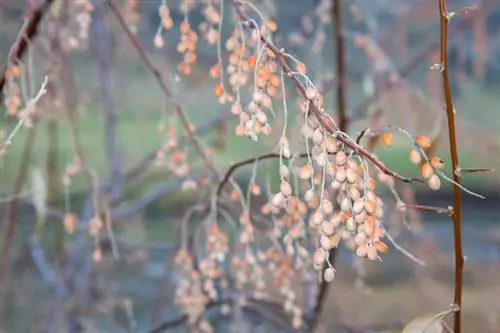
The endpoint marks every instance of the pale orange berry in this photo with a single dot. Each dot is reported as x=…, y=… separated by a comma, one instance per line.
x=252, y=60
x=423, y=141
x=239, y=130
x=434, y=182
x=371, y=183
x=219, y=90
x=272, y=26
x=215, y=71
x=415, y=157
x=158, y=41
x=380, y=246
x=70, y=221
x=236, y=108
x=306, y=172
x=427, y=170
x=255, y=189
x=437, y=163
x=301, y=68
x=387, y=138
x=97, y=255
x=234, y=195
x=184, y=27
x=168, y=23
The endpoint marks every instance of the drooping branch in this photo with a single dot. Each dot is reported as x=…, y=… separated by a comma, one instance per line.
x=322, y=118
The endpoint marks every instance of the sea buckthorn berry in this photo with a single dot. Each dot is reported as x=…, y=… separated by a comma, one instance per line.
x=387, y=138
x=437, y=163
x=301, y=68
x=434, y=182
x=423, y=141
x=427, y=170
x=415, y=157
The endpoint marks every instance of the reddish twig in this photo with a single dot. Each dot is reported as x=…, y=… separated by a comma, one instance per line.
x=163, y=85
x=476, y=170
x=457, y=193
x=25, y=36
x=439, y=210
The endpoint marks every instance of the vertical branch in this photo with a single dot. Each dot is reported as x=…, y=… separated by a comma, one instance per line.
x=10, y=221
x=53, y=183
x=338, y=40
x=340, y=64
x=457, y=194
x=114, y=158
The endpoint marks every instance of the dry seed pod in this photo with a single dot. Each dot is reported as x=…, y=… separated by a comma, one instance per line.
x=340, y=158
x=340, y=175
x=361, y=251
x=325, y=242
x=345, y=206
x=434, y=182
x=329, y=274
x=318, y=136
x=360, y=238
x=358, y=207
x=415, y=157
x=327, y=228
x=427, y=170
x=423, y=141
x=286, y=189
x=372, y=253
x=361, y=217
x=319, y=257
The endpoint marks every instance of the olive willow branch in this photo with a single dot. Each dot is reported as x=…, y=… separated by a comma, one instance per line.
x=323, y=119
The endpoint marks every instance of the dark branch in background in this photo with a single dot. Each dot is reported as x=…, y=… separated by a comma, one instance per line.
x=457, y=192
x=166, y=91
x=339, y=42
x=103, y=35
x=10, y=220
x=26, y=35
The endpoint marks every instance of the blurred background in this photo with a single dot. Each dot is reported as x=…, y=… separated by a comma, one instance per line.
x=51, y=283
